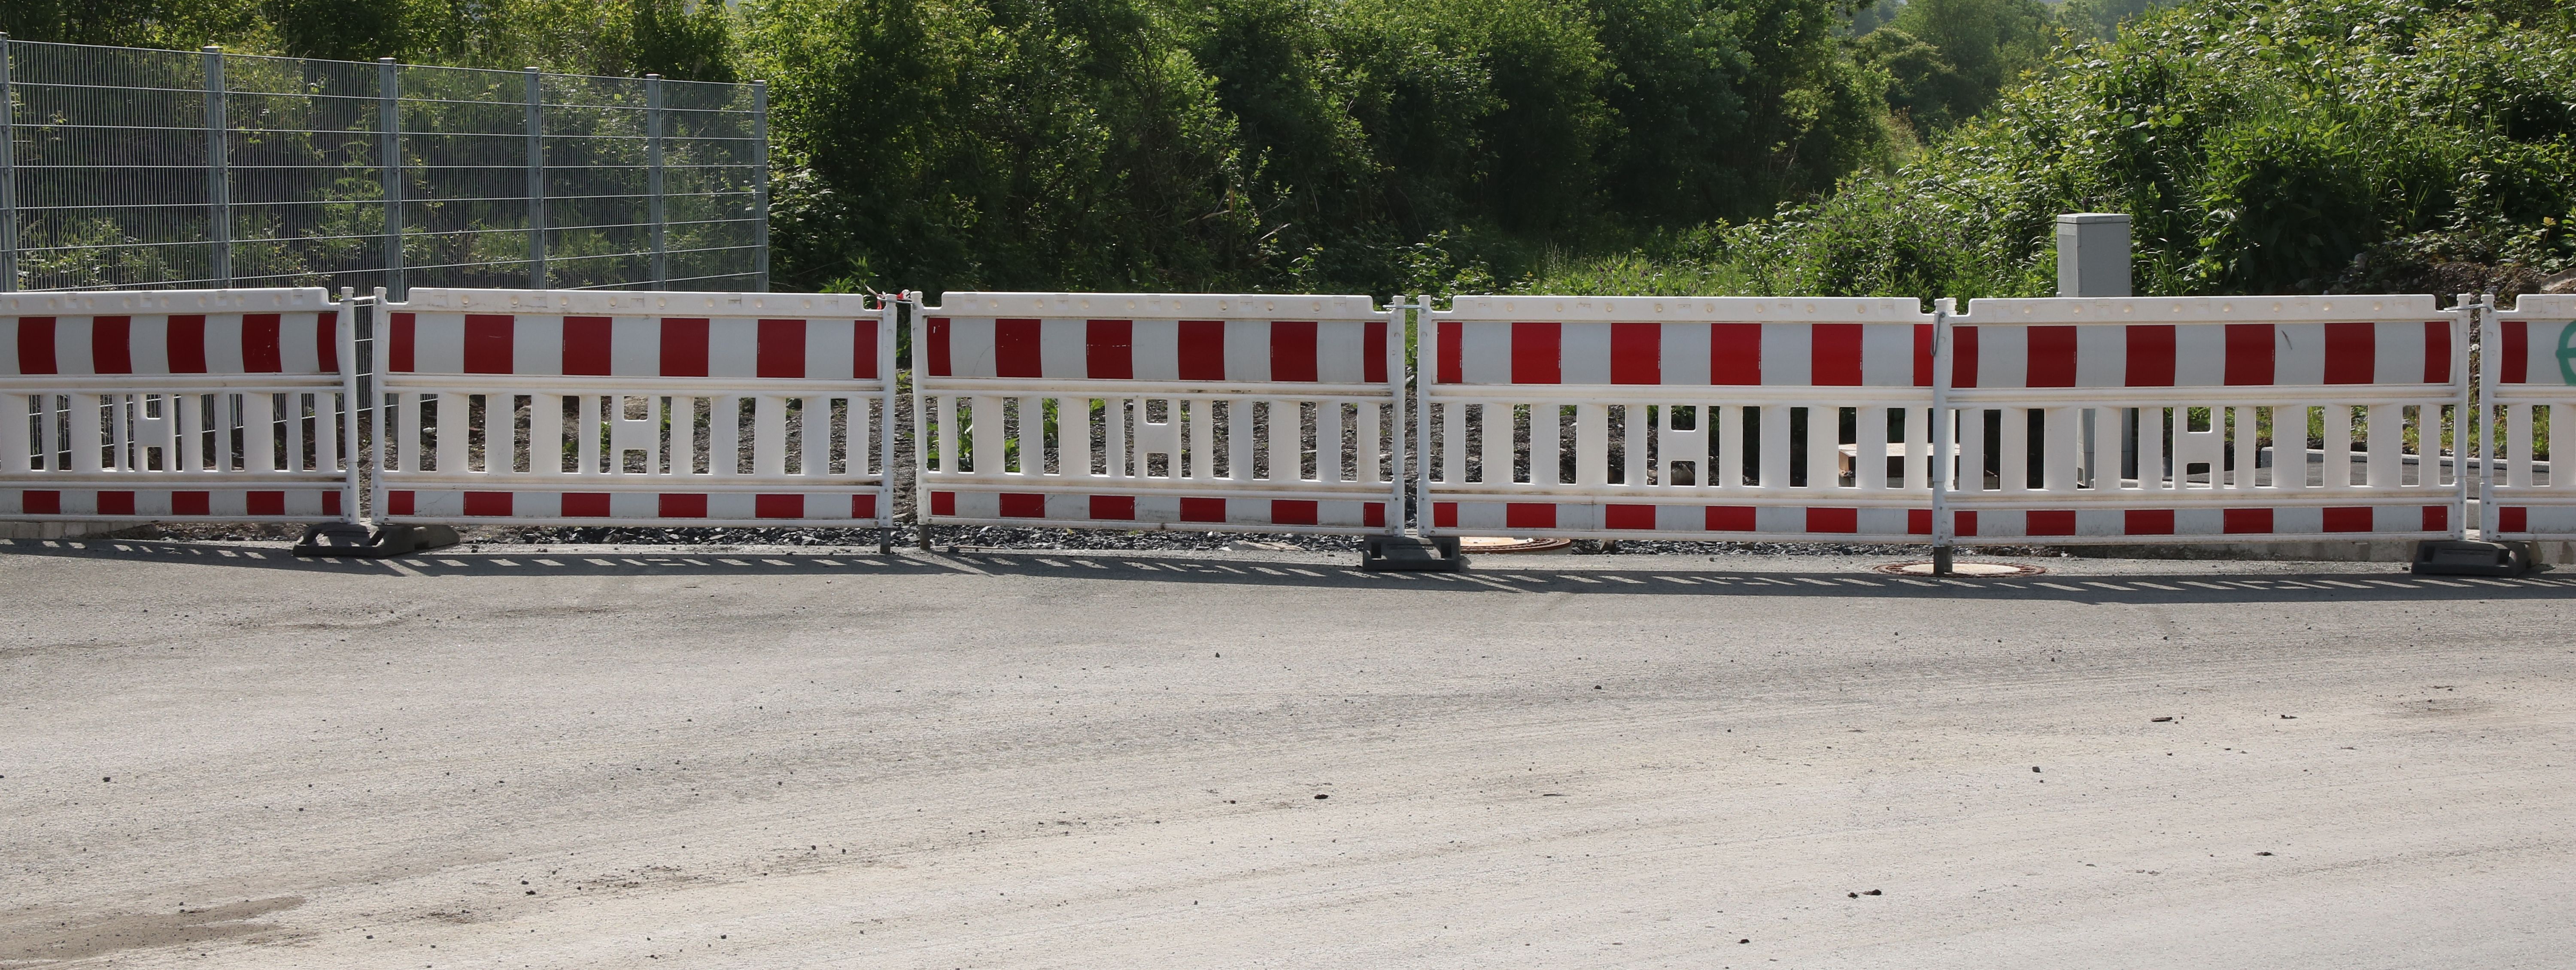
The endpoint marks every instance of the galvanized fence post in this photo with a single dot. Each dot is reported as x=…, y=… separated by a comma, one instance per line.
x=536, y=181
x=760, y=186
x=653, y=149
x=219, y=207
x=389, y=160
x=1944, y=464
x=8, y=178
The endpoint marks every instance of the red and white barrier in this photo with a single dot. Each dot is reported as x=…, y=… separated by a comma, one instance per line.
x=536, y=407
x=176, y=404
x=2190, y=419
x=1718, y=418
x=1146, y=411
x=2530, y=384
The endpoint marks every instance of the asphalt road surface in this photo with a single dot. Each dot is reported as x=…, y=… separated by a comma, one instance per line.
x=221, y=757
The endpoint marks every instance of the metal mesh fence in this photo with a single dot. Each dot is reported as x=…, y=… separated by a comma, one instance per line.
x=124, y=168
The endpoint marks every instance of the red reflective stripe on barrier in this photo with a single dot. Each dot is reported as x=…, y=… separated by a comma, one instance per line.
x=863, y=350
x=401, y=356
x=1833, y=520
x=488, y=342
x=1535, y=353
x=264, y=503
x=1292, y=350
x=1109, y=350
x=2437, y=352
x=781, y=350
x=1728, y=518
x=111, y=350
x=1373, y=515
x=2148, y=522
x=2352, y=351
x=120, y=503
x=1963, y=523
x=2249, y=355
x=2051, y=359
x=1452, y=356
x=1918, y=522
x=863, y=506
x=778, y=506
x=2347, y=519
x=586, y=345
x=1923, y=358
x=259, y=349
x=203, y=503
x=1114, y=508
x=1963, y=361
x=939, y=328
x=1636, y=353
x=495, y=504
x=185, y=341
x=1201, y=352
x=1202, y=510
x=683, y=505
x=2246, y=521
x=585, y=505
x=2151, y=355
x=2053, y=522
x=1373, y=353
x=1735, y=353
x=1292, y=512
x=1628, y=516
x=1529, y=515
x=2513, y=518
x=34, y=502
x=1835, y=350
x=1444, y=515
x=1023, y=505
x=2517, y=351
x=2437, y=518
x=36, y=347
x=943, y=503
x=684, y=347
x=331, y=503
x=326, y=341
x=1016, y=351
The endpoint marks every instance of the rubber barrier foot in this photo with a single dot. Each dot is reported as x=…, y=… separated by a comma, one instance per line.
x=2463, y=557
x=1437, y=554
x=350, y=540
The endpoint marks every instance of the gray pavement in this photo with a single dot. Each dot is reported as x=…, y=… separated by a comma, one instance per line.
x=513, y=757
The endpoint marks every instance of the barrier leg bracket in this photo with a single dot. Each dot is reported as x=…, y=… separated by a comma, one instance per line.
x=2467, y=557
x=1437, y=554
x=351, y=541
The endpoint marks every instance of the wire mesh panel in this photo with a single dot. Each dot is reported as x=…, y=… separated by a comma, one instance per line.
x=148, y=168
x=2529, y=383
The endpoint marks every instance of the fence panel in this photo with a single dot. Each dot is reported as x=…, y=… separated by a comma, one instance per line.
x=2529, y=383
x=535, y=407
x=1708, y=418
x=2189, y=419
x=177, y=404
x=1159, y=411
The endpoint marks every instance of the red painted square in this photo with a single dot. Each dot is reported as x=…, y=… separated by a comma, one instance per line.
x=1202, y=510
x=1918, y=522
x=36, y=346
x=943, y=503
x=489, y=340
x=41, y=502
x=2151, y=355
x=778, y=506
x=264, y=503
x=2246, y=521
x=1023, y=505
x=586, y=345
x=684, y=347
x=331, y=503
x=2148, y=522
x=495, y=504
x=1113, y=508
x=1963, y=523
x=1292, y=350
x=1292, y=512
x=110, y=348
x=2052, y=357
x=1373, y=515
x=1628, y=516
x=1452, y=355
x=2437, y=352
x=781, y=350
x=1923, y=357
x=2517, y=351
x=1202, y=350
x=2352, y=350
x=1535, y=353
x=863, y=506
x=1109, y=350
x=1841, y=521
x=2513, y=518
x=585, y=505
x=259, y=346
x=2348, y=519
x=1835, y=360
x=2437, y=518
x=1016, y=350
x=683, y=505
x=938, y=337
x=1444, y=515
x=203, y=503
x=185, y=341
x=1373, y=352
x=1529, y=515
x=863, y=351
x=1963, y=359
x=1636, y=353
x=1735, y=353
x=1728, y=518
x=326, y=339
x=2249, y=354
x=2049, y=522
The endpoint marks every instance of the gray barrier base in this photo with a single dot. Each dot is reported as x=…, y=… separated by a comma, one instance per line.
x=2469, y=558
x=352, y=541
x=1438, y=554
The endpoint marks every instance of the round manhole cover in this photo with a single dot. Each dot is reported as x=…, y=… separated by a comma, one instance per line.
x=1487, y=545
x=1963, y=570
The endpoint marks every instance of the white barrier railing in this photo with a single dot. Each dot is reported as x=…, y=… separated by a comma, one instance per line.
x=177, y=404
x=2529, y=388
x=541, y=407
x=1144, y=411
x=2151, y=419
x=1714, y=418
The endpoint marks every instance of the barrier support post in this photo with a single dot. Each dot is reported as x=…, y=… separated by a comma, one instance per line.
x=2472, y=453
x=1424, y=551
x=1943, y=532
x=920, y=419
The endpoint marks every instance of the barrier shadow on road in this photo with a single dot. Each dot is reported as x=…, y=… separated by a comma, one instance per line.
x=1626, y=577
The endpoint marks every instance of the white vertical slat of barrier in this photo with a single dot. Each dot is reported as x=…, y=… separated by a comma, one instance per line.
x=2151, y=451
x=83, y=432
x=1869, y=447
x=16, y=445
x=1591, y=444
x=2059, y=460
x=1636, y=427
x=1731, y=466
x=1824, y=447
x=2248, y=444
x=1775, y=447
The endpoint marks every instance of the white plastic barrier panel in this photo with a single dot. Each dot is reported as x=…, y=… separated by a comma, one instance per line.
x=537, y=407
x=177, y=404
x=1161, y=411
x=2529, y=381
x=2222, y=419
x=1703, y=418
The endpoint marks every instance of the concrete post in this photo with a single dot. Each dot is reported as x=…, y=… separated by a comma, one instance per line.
x=219, y=205
x=536, y=181
x=760, y=186
x=653, y=179
x=2093, y=260
x=8, y=179
x=389, y=165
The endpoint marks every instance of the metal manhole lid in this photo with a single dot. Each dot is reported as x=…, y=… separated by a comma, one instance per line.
x=1961, y=570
